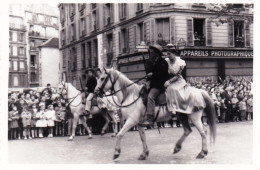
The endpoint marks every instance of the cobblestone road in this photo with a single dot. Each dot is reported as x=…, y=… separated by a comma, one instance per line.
x=234, y=146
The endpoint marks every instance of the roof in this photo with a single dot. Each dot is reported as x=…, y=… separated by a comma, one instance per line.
x=43, y=8
x=52, y=43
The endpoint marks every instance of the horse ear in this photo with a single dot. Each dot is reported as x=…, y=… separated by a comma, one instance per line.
x=105, y=70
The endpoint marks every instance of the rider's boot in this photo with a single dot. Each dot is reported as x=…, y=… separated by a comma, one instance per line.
x=149, y=120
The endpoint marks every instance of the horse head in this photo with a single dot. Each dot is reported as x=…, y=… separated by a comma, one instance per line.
x=62, y=89
x=106, y=81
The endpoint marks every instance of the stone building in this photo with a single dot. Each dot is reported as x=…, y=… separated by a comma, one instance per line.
x=94, y=35
x=30, y=26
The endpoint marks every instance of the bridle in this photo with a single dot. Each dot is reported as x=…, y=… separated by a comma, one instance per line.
x=65, y=87
x=101, y=89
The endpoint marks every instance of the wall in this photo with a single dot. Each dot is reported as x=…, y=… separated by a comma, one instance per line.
x=49, y=66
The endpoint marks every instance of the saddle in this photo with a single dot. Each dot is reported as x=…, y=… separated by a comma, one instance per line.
x=160, y=101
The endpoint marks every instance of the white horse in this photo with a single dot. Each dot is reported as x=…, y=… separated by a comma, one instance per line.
x=133, y=110
x=75, y=101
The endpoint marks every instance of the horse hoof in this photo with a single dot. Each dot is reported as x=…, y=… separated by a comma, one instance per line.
x=202, y=155
x=115, y=156
x=177, y=149
x=70, y=139
x=142, y=157
x=102, y=134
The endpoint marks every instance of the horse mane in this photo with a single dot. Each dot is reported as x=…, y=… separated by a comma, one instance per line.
x=124, y=82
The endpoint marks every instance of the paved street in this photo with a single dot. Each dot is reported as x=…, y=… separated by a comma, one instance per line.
x=234, y=146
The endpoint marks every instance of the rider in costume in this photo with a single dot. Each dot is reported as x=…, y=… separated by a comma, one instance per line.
x=179, y=96
x=90, y=87
x=157, y=78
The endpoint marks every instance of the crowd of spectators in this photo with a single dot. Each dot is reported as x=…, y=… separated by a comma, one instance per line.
x=34, y=114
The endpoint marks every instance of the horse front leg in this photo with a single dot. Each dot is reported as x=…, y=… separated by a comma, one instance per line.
x=87, y=128
x=105, y=116
x=115, y=126
x=128, y=125
x=74, y=126
x=143, y=139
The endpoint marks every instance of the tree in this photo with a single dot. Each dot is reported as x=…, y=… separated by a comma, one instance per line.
x=226, y=13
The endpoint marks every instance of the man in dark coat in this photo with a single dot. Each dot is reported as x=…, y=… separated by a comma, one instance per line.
x=157, y=77
x=90, y=87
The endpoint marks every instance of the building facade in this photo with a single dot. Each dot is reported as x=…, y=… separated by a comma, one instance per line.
x=93, y=35
x=39, y=22
x=18, y=72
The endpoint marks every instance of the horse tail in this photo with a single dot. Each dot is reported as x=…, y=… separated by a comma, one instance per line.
x=211, y=115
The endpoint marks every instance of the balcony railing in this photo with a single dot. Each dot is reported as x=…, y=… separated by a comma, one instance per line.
x=18, y=27
x=34, y=33
x=199, y=40
x=239, y=41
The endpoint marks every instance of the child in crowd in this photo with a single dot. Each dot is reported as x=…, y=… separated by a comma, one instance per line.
x=234, y=107
x=14, y=123
x=242, y=109
x=26, y=119
x=50, y=116
x=34, y=111
x=60, y=119
x=249, y=107
x=41, y=122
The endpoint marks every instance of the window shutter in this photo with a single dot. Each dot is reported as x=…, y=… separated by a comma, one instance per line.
x=209, y=33
x=97, y=18
x=119, y=42
x=147, y=32
x=152, y=34
x=172, y=30
x=24, y=52
x=80, y=32
x=104, y=15
x=231, y=34
x=90, y=22
x=247, y=35
x=112, y=12
x=190, y=41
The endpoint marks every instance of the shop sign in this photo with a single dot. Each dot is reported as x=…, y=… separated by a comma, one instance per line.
x=132, y=59
x=216, y=53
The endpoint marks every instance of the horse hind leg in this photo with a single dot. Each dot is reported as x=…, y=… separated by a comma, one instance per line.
x=87, y=128
x=145, y=153
x=196, y=120
x=105, y=115
x=74, y=126
x=187, y=130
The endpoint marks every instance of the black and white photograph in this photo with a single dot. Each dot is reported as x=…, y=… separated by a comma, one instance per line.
x=129, y=83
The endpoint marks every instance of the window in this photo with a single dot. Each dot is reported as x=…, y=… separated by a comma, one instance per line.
x=33, y=77
x=10, y=51
x=139, y=7
x=15, y=66
x=140, y=33
x=74, y=58
x=82, y=26
x=64, y=59
x=109, y=49
x=35, y=18
x=89, y=54
x=94, y=21
x=93, y=5
x=72, y=9
x=83, y=55
x=163, y=31
x=22, y=80
x=95, y=53
x=10, y=36
x=62, y=14
x=199, y=32
x=81, y=6
x=32, y=43
x=239, y=33
x=108, y=14
x=122, y=11
x=33, y=60
x=64, y=76
x=21, y=37
x=124, y=41
x=15, y=80
x=21, y=51
x=22, y=67
x=73, y=32
x=14, y=50
x=47, y=20
x=63, y=37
